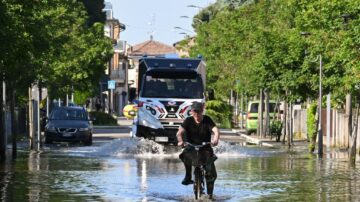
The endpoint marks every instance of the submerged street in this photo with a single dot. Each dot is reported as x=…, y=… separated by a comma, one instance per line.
x=275, y=85
x=127, y=169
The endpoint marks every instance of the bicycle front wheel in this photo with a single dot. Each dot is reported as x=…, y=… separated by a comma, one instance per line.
x=198, y=184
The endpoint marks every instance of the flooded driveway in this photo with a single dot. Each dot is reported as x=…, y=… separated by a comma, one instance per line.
x=137, y=170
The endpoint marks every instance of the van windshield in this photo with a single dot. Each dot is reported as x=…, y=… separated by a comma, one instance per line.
x=254, y=108
x=168, y=87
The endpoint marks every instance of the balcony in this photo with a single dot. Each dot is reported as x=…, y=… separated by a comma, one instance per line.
x=120, y=47
x=118, y=75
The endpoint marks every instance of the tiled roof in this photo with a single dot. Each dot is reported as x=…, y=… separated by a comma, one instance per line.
x=151, y=48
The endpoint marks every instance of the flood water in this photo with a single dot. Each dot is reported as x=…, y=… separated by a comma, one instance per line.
x=138, y=170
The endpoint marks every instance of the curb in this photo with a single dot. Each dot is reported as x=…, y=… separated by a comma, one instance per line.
x=112, y=127
x=256, y=141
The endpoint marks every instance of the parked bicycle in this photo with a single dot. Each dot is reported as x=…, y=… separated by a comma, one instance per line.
x=199, y=171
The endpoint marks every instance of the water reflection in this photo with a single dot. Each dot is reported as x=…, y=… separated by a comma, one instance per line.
x=6, y=177
x=34, y=178
x=143, y=176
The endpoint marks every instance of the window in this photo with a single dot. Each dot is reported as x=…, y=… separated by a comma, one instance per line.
x=173, y=87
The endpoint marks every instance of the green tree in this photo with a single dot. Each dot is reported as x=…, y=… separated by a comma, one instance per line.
x=94, y=10
x=68, y=53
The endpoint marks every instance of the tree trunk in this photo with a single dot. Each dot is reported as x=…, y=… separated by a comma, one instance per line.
x=260, y=114
x=314, y=136
x=31, y=120
x=267, y=115
x=348, y=113
x=352, y=150
x=289, y=125
x=2, y=122
x=285, y=119
x=13, y=120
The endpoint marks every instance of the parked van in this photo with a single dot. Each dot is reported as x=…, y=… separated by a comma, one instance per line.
x=252, y=114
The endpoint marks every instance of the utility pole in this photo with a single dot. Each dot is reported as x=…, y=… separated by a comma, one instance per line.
x=328, y=116
x=290, y=123
x=67, y=99
x=14, y=129
x=267, y=115
x=320, y=137
x=260, y=114
x=236, y=110
x=47, y=105
x=31, y=119
x=2, y=123
x=242, y=110
x=72, y=94
x=38, y=141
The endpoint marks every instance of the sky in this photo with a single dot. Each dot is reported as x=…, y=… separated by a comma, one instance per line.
x=156, y=17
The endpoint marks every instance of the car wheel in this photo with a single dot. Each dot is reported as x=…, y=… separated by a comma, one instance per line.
x=88, y=142
x=248, y=132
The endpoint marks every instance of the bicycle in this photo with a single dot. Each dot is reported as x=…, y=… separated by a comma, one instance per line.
x=199, y=171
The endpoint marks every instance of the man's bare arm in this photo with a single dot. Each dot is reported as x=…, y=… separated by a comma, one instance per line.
x=179, y=135
x=216, y=133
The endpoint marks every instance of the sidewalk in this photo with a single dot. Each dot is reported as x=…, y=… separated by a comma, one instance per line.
x=121, y=121
x=267, y=142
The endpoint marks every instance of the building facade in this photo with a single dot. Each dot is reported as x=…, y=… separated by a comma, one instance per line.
x=114, y=86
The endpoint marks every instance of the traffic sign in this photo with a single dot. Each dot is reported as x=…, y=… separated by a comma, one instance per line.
x=111, y=84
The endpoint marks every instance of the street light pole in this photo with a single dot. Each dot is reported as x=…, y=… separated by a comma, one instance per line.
x=209, y=12
x=194, y=19
x=186, y=35
x=320, y=137
x=186, y=30
x=194, y=6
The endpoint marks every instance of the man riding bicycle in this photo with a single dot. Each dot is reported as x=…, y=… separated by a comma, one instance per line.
x=198, y=129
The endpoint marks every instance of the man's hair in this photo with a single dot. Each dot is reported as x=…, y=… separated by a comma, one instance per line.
x=197, y=106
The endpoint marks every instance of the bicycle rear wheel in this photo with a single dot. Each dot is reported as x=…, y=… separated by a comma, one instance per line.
x=199, y=183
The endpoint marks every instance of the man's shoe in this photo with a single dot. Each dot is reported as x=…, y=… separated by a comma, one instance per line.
x=211, y=196
x=187, y=181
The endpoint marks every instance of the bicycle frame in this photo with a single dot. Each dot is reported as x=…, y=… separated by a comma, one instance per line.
x=199, y=172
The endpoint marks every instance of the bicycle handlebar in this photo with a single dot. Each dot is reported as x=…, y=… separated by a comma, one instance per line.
x=198, y=146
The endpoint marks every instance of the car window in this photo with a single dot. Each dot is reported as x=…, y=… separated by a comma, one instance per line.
x=254, y=107
x=68, y=114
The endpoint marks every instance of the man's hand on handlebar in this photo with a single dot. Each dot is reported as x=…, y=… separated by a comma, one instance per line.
x=215, y=142
x=181, y=143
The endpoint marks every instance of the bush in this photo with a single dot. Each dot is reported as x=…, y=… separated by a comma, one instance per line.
x=101, y=118
x=311, y=126
x=275, y=129
x=220, y=112
x=80, y=97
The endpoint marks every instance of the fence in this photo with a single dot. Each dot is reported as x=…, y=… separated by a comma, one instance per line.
x=338, y=128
